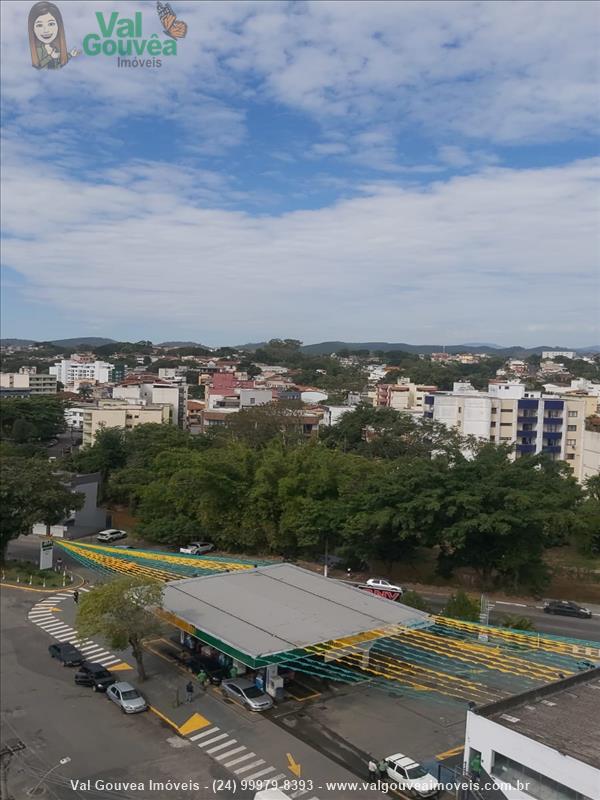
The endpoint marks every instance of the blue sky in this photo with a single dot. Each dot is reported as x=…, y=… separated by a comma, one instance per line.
x=421, y=172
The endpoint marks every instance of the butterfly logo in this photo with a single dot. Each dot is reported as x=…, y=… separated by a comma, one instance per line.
x=173, y=27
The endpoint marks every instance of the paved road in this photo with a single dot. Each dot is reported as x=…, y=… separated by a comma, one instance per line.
x=588, y=629
x=54, y=718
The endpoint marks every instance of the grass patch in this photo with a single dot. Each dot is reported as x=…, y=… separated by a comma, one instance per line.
x=25, y=571
x=569, y=556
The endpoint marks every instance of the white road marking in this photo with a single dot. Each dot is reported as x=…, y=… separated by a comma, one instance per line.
x=40, y=617
x=258, y=763
x=203, y=734
x=110, y=662
x=298, y=792
x=281, y=777
x=214, y=739
x=221, y=746
x=51, y=627
x=229, y=753
x=103, y=654
x=256, y=775
x=506, y=603
x=240, y=759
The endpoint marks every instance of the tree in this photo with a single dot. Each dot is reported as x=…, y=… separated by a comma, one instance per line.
x=44, y=415
x=461, y=606
x=587, y=523
x=121, y=611
x=415, y=600
x=23, y=431
x=85, y=391
x=517, y=622
x=31, y=492
x=109, y=452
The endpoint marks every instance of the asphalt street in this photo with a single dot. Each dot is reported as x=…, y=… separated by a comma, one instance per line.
x=41, y=706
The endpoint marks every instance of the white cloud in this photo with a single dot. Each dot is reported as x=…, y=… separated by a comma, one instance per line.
x=500, y=250
x=505, y=72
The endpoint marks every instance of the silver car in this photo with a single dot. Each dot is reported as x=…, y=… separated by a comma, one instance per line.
x=127, y=697
x=246, y=693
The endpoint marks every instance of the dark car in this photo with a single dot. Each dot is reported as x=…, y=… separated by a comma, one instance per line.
x=567, y=608
x=216, y=672
x=94, y=675
x=65, y=652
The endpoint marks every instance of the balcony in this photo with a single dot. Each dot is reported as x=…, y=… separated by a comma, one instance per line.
x=525, y=449
x=528, y=403
x=428, y=414
x=528, y=435
x=553, y=436
x=532, y=420
x=553, y=420
x=551, y=448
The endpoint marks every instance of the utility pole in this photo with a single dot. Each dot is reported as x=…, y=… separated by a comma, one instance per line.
x=484, y=617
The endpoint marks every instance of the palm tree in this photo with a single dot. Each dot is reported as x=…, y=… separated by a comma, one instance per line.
x=85, y=391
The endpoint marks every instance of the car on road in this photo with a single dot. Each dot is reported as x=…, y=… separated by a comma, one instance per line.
x=111, y=535
x=124, y=547
x=69, y=655
x=382, y=583
x=567, y=608
x=246, y=693
x=411, y=776
x=94, y=675
x=127, y=697
x=197, y=548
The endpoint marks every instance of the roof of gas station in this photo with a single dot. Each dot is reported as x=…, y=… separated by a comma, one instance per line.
x=281, y=607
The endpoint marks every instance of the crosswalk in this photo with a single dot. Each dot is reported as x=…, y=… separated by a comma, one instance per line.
x=42, y=614
x=242, y=762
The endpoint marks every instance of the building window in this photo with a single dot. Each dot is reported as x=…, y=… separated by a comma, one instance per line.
x=505, y=424
x=571, y=428
x=571, y=442
x=492, y=424
x=509, y=411
x=538, y=785
x=570, y=456
x=573, y=413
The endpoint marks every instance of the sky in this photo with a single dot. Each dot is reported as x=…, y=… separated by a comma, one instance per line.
x=424, y=172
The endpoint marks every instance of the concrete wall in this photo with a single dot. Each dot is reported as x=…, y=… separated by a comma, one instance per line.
x=488, y=737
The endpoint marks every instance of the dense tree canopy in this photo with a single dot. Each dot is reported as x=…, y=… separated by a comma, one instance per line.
x=31, y=418
x=30, y=491
x=255, y=487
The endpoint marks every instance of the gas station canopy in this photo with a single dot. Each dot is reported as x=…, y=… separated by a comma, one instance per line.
x=259, y=613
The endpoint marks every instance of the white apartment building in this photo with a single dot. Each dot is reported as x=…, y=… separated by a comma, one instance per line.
x=543, y=744
x=509, y=414
x=111, y=414
x=74, y=417
x=552, y=354
x=142, y=392
x=36, y=382
x=81, y=368
x=172, y=373
x=238, y=399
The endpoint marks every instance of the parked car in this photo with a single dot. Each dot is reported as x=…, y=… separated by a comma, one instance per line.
x=69, y=656
x=124, y=547
x=111, y=535
x=412, y=776
x=127, y=697
x=94, y=675
x=382, y=583
x=246, y=693
x=197, y=548
x=566, y=608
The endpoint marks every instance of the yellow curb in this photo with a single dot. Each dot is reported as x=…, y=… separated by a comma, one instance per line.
x=122, y=665
x=164, y=719
x=55, y=590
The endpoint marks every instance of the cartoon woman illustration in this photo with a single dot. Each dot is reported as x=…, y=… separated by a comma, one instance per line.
x=47, y=37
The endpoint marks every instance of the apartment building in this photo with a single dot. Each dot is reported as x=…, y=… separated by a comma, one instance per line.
x=35, y=382
x=145, y=389
x=111, y=414
x=509, y=414
x=403, y=395
x=590, y=457
x=552, y=354
x=81, y=367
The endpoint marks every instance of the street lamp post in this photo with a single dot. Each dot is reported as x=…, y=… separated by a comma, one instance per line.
x=61, y=763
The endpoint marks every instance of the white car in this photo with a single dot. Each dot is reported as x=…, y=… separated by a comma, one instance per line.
x=127, y=697
x=111, y=535
x=411, y=776
x=381, y=583
x=197, y=548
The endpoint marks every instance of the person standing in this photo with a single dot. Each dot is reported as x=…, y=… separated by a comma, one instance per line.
x=202, y=679
x=76, y=596
x=372, y=769
x=189, y=692
x=382, y=769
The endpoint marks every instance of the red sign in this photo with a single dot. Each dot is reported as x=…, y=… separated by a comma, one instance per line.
x=388, y=594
